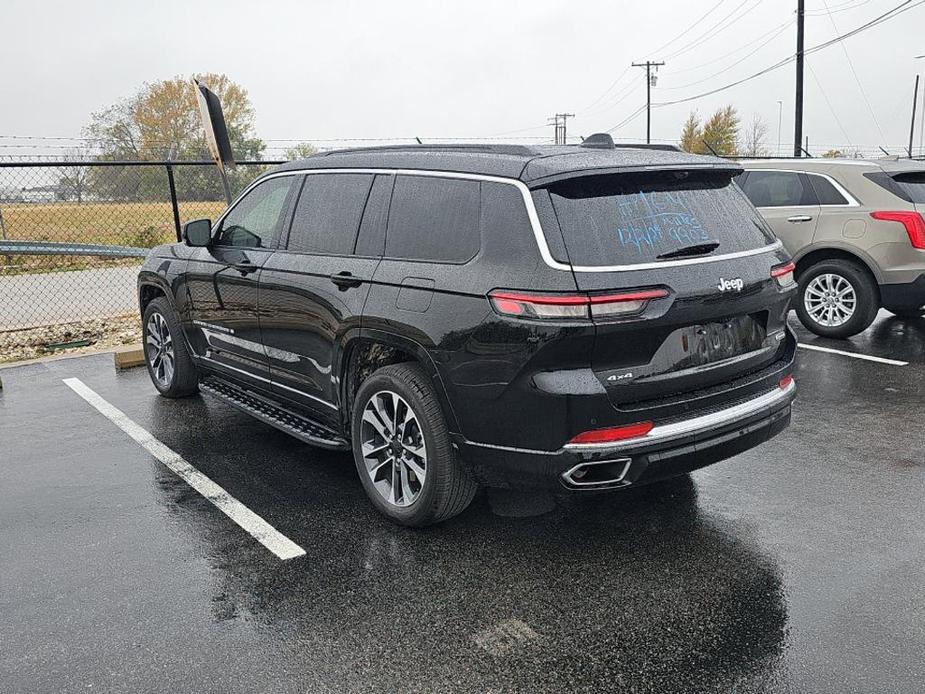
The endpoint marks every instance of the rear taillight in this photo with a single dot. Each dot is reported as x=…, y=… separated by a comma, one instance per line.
x=785, y=382
x=571, y=306
x=915, y=225
x=784, y=274
x=597, y=437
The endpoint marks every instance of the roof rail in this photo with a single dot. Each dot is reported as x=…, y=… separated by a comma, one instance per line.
x=516, y=150
x=643, y=145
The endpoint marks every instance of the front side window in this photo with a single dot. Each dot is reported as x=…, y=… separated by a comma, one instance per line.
x=254, y=222
x=328, y=213
x=624, y=219
x=777, y=189
x=433, y=218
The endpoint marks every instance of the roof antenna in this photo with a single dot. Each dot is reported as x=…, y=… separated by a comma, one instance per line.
x=884, y=151
x=710, y=147
x=419, y=140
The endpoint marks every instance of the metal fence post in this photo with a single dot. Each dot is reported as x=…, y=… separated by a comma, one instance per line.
x=173, y=200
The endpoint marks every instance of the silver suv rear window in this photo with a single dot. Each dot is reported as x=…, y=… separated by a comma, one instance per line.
x=913, y=185
x=624, y=219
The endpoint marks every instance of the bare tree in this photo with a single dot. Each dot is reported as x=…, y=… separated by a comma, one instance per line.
x=74, y=179
x=754, y=138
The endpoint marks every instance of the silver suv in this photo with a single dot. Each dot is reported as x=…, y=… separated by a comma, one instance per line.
x=855, y=230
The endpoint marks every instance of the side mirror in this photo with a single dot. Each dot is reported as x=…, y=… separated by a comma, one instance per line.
x=198, y=233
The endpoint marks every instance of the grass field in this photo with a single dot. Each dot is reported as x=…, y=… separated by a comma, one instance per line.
x=144, y=224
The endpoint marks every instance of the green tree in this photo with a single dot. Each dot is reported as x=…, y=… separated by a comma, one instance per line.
x=162, y=121
x=721, y=131
x=692, y=135
x=300, y=151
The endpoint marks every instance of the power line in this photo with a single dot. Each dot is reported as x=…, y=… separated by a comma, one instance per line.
x=843, y=7
x=780, y=30
x=628, y=118
x=829, y=104
x=717, y=28
x=776, y=31
x=702, y=17
x=606, y=91
x=854, y=72
x=658, y=50
x=886, y=16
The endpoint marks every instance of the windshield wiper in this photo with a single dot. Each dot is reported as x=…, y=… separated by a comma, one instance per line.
x=696, y=249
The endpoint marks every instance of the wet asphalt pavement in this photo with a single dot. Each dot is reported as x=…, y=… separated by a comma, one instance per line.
x=795, y=567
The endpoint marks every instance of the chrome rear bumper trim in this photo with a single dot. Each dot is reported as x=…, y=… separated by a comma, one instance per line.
x=668, y=432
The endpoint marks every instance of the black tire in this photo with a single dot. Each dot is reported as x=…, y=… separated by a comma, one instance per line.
x=184, y=380
x=865, y=291
x=907, y=313
x=448, y=488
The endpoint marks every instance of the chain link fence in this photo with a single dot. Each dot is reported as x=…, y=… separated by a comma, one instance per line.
x=73, y=234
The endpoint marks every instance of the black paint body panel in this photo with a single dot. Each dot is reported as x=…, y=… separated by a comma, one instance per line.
x=513, y=391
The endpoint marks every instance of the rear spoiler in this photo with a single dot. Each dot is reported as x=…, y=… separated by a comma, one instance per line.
x=729, y=167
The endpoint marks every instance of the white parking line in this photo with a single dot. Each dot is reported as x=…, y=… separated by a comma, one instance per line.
x=866, y=357
x=263, y=532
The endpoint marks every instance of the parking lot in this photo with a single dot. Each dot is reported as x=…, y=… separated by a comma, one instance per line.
x=797, y=566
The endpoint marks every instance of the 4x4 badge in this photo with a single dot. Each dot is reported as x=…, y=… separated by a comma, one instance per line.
x=730, y=285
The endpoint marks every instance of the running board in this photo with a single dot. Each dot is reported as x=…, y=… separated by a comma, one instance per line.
x=303, y=428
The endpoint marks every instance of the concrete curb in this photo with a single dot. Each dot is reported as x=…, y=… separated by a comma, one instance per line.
x=128, y=357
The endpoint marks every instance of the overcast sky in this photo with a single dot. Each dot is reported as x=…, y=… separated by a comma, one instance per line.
x=324, y=70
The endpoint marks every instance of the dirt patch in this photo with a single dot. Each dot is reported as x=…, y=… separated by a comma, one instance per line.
x=72, y=338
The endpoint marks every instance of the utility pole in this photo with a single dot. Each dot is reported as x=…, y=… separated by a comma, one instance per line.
x=915, y=104
x=558, y=121
x=780, y=118
x=798, y=107
x=650, y=82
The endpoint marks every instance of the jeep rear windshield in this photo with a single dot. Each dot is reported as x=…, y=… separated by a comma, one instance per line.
x=625, y=219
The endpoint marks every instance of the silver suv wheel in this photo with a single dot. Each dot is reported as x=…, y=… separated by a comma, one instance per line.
x=159, y=349
x=393, y=448
x=830, y=300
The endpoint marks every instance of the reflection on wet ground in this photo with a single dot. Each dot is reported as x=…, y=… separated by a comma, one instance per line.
x=790, y=568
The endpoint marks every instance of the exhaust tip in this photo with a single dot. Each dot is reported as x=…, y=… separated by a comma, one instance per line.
x=599, y=474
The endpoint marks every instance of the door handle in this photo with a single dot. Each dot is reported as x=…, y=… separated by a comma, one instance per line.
x=799, y=218
x=245, y=267
x=345, y=280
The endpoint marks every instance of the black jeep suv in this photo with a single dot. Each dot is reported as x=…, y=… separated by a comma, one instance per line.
x=583, y=317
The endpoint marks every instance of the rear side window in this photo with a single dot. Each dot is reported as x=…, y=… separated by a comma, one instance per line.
x=826, y=193
x=633, y=218
x=433, y=218
x=778, y=189
x=327, y=214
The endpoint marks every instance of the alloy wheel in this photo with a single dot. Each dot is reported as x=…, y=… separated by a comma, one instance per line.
x=393, y=448
x=159, y=348
x=830, y=300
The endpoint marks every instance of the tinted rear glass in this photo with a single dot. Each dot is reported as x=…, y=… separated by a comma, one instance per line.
x=778, y=189
x=826, y=193
x=913, y=185
x=629, y=218
x=433, y=218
